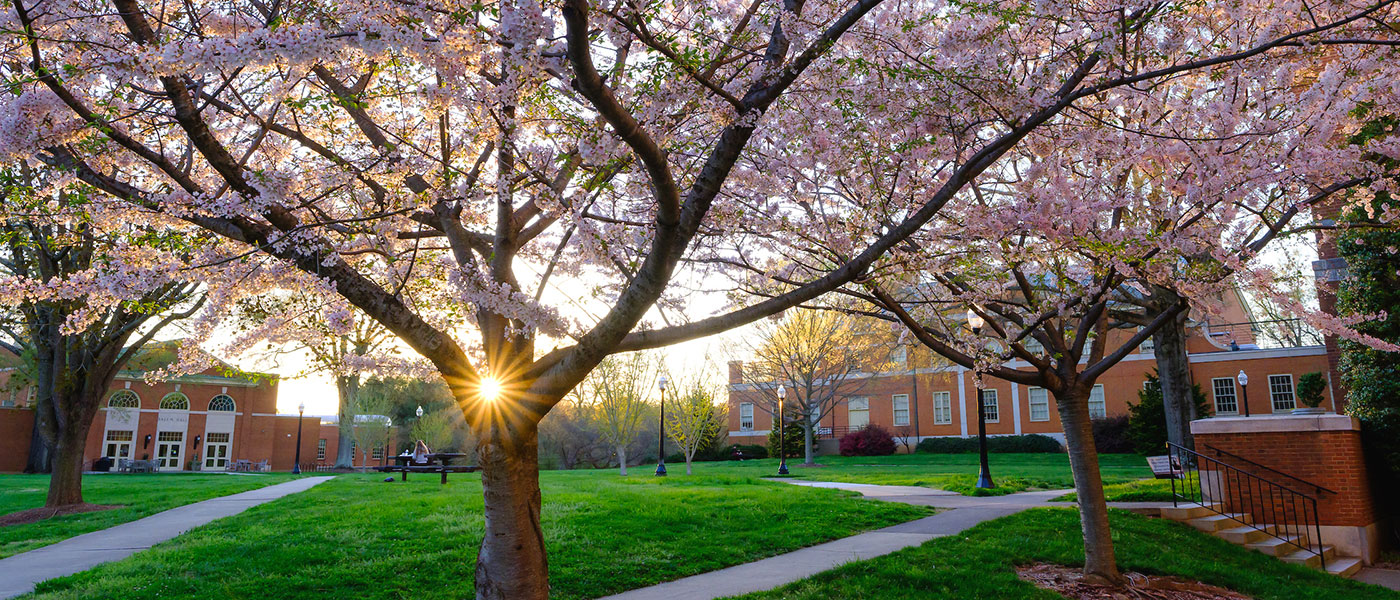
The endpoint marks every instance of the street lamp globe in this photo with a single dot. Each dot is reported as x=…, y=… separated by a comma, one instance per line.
x=419, y=412
x=1242, y=378
x=975, y=321
x=782, y=392
x=301, y=408
x=661, y=383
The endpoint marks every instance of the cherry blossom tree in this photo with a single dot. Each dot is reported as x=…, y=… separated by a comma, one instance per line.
x=89, y=289
x=486, y=179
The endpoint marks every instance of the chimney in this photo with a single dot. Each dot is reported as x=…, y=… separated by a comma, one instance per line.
x=736, y=371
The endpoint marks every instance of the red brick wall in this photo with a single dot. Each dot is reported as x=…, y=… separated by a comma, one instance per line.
x=1331, y=459
x=16, y=428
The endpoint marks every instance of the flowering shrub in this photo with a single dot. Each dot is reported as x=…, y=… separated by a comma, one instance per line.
x=871, y=441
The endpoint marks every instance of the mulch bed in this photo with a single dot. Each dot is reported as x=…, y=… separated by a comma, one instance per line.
x=1069, y=582
x=35, y=515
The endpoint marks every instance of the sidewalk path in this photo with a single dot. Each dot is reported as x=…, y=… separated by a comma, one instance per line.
x=20, y=572
x=960, y=512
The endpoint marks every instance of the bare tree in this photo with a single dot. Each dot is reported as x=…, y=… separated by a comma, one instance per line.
x=618, y=390
x=819, y=356
x=694, y=415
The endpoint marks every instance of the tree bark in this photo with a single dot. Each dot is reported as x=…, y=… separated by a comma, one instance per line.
x=687, y=465
x=66, y=481
x=1174, y=374
x=622, y=459
x=348, y=388
x=40, y=448
x=1099, y=561
x=807, y=442
x=511, y=564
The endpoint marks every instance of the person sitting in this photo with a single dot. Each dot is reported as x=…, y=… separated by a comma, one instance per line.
x=420, y=453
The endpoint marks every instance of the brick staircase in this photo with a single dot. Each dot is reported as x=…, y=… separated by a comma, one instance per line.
x=1240, y=529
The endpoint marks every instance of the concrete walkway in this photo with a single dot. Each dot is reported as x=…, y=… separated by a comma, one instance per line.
x=960, y=512
x=1382, y=577
x=20, y=572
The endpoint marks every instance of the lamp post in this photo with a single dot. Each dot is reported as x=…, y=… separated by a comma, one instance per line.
x=984, y=476
x=388, y=427
x=661, y=438
x=296, y=466
x=1244, y=390
x=782, y=443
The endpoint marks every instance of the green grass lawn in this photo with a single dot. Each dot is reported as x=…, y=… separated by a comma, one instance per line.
x=142, y=495
x=358, y=537
x=980, y=563
x=952, y=472
x=1143, y=490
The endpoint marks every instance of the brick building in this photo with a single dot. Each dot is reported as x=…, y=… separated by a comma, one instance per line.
x=927, y=399
x=205, y=421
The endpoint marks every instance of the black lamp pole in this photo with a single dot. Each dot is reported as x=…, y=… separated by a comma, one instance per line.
x=984, y=475
x=1244, y=390
x=782, y=426
x=661, y=439
x=296, y=467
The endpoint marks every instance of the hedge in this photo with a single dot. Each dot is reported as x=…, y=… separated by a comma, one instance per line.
x=1031, y=443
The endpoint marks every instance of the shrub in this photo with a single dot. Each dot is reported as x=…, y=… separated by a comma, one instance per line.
x=1030, y=443
x=1111, y=435
x=870, y=441
x=746, y=451
x=1147, y=420
x=1310, y=387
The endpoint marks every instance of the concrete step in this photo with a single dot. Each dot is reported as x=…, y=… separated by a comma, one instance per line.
x=1213, y=523
x=1344, y=566
x=1186, y=512
x=1278, y=547
x=1309, y=558
x=1245, y=534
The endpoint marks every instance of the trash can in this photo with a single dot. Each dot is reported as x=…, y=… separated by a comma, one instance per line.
x=102, y=465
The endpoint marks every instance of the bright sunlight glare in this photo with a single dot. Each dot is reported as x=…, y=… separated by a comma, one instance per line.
x=490, y=388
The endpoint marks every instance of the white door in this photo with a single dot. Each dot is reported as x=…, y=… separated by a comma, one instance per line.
x=118, y=444
x=168, y=450
x=216, y=451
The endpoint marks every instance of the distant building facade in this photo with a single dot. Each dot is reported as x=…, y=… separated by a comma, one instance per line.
x=203, y=422
x=938, y=400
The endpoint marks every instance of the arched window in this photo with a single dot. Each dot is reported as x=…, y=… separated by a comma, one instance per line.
x=175, y=401
x=124, y=399
x=221, y=402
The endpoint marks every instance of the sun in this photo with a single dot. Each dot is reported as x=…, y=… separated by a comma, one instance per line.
x=490, y=389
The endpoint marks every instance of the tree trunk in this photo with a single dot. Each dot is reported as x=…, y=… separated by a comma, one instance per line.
x=1099, y=562
x=66, y=481
x=40, y=449
x=348, y=387
x=687, y=465
x=622, y=459
x=511, y=564
x=1174, y=373
x=807, y=443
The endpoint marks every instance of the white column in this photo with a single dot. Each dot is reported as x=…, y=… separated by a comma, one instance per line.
x=1016, y=406
x=962, y=399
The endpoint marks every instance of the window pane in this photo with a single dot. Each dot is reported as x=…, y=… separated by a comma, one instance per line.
x=1040, y=404
x=942, y=408
x=1281, y=392
x=901, y=409
x=746, y=417
x=989, y=406
x=1225, y=400
x=1097, y=407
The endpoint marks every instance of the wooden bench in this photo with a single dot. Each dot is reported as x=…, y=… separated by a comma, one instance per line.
x=1165, y=467
x=405, y=465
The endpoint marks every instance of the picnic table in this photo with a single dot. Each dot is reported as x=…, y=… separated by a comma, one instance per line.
x=434, y=462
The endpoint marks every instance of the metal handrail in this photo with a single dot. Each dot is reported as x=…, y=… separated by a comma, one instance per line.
x=1270, y=469
x=1245, y=490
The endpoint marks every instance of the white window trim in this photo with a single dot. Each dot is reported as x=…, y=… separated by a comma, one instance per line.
x=894, y=410
x=996, y=403
x=1235, y=392
x=947, y=408
x=1030, y=402
x=1103, y=393
x=1292, y=386
x=741, y=416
